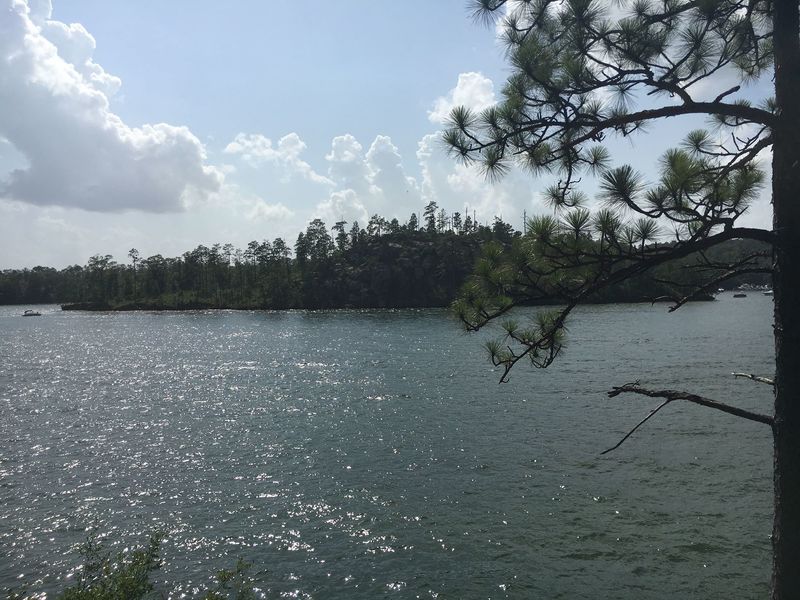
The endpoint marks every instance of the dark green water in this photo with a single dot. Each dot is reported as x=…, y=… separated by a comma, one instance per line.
x=361, y=454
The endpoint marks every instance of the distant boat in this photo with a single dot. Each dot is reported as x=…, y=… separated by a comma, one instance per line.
x=740, y=295
x=768, y=293
x=31, y=313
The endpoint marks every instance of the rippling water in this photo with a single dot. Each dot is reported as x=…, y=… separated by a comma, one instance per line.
x=352, y=454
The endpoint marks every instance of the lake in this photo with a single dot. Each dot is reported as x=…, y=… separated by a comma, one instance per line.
x=356, y=454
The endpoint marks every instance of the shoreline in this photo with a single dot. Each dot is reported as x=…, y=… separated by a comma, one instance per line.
x=190, y=306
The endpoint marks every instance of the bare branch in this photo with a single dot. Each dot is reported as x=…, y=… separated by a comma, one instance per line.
x=639, y=424
x=733, y=90
x=757, y=378
x=634, y=388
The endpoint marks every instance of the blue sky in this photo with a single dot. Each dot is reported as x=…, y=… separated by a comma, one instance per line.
x=164, y=125
x=318, y=68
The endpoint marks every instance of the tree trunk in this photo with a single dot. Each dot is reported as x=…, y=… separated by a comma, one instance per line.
x=786, y=283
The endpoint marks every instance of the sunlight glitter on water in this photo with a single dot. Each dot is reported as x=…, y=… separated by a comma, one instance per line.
x=345, y=467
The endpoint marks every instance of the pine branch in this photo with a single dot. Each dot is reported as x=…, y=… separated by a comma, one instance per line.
x=602, y=280
x=736, y=111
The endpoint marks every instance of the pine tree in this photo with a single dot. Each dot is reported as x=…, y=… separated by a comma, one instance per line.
x=583, y=71
x=429, y=214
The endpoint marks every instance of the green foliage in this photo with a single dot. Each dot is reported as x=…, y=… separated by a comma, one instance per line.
x=107, y=576
x=621, y=186
x=127, y=575
x=582, y=71
x=385, y=265
x=577, y=222
x=580, y=68
x=562, y=261
x=390, y=266
x=232, y=584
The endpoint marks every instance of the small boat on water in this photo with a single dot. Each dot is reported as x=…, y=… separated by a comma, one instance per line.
x=31, y=313
x=768, y=293
x=740, y=295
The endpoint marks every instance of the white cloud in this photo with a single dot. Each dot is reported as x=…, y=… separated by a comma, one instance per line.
x=255, y=149
x=242, y=203
x=262, y=211
x=347, y=165
x=434, y=169
x=375, y=182
x=473, y=90
x=76, y=46
x=56, y=236
x=392, y=188
x=78, y=153
x=342, y=205
x=40, y=10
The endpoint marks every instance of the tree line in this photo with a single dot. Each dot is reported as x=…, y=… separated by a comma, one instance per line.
x=385, y=264
x=420, y=263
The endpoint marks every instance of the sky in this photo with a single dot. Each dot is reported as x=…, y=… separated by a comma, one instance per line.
x=164, y=125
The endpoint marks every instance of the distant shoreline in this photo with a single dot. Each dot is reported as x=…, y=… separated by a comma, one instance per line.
x=147, y=307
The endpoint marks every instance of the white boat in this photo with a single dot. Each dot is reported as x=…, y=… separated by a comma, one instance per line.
x=31, y=313
x=768, y=293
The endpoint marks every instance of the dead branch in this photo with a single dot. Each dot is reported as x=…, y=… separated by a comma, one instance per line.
x=671, y=396
x=639, y=424
x=757, y=378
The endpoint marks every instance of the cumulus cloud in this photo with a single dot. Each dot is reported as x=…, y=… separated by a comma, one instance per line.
x=56, y=113
x=367, y=183
x=76, y=46
x=473, y=90
x=387, y=174
x=263, y=211
x=347, y=165
x=242, y=203
x=342, y=205
x=255, y=149
x=376, y=181
x=357, y=184
x=362, y=181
